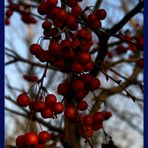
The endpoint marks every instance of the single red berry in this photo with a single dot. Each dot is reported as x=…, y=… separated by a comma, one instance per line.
x=97, y=126
x=89, y=66
x=101, y=14
x=23, y=100
x=66, y=44
x=79, y=95
x=92, y=18
x=88, y=120
x=54, y=48
x=95, y=84
x=71, y=22
x=87, y=132
x=31, y=138
x=87, y=78
x=35, y=49
x=61, y=15
x=7, y=21
x=39, y=106
x=70, y=112
x=107, y=115
x=58, y=107
x=62, y=88
x=46, y=25
x=76, y=11
x=9, y=13
x=95, y=26
x=76, y=68
x=77, y=85
x=84, y=57
x=43, y=136
x=47, y=113
x=50, y=100
x=42, y=8
x=98, y=117
x=82, y=105
x=20, y=141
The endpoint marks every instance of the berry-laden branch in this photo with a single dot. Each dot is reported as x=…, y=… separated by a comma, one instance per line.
x=67, y=30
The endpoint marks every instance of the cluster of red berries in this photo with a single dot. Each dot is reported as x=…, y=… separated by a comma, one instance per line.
x=93, y=122
x=69, y=51
x=32, y=139
x=70, y=55
x=77, y=88
x=48, y=108
x=22, y=9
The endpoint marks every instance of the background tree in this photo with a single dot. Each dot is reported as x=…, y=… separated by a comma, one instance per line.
x=89, y=54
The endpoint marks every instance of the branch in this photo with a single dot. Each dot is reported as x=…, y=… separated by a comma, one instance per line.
x=126, y=18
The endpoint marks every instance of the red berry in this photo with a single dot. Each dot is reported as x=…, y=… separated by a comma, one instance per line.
x=89, y=66
x=42, y=8
x=7, y=21
x=76, y=11
x=39, y=106
x=54, y=48
x=46, y=25
x=92, y=18
x=95, y=84
x=88, y=120
x=87, y=78
x=87, y=132
x=82, y=105
x=101, y=14
x=9, y=13
x=62, y=88
x=79, y=95
x=77, y=85
x=66, y=44
x=31, y=138
x=35, y=49
x=98, y=117
x=97, y=126
x=107, y=115
x=23, y=100
x=58, y=107
x=43, y=136
x=84, y=57
x=20, y=141
x=47, y=113
x=71, y=22
x=61, y=15
x=96, y=25
x=70, y=112
x=50, y=100
x=76, y=67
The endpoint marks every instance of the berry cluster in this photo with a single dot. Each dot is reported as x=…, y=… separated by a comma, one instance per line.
x=32, y=139
x=48, y=108
x=22, y=9
x=70, y=42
